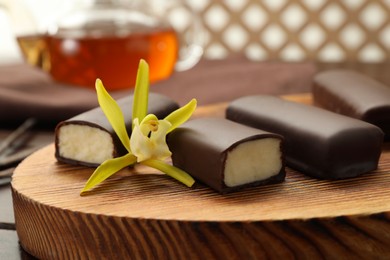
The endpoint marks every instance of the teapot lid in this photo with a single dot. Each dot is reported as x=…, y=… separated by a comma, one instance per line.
x=102, y=19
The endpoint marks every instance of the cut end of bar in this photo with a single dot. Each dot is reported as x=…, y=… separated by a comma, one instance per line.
x=85, y=143
x=253, y=161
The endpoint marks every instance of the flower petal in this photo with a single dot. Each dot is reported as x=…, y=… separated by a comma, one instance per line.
x=141, y=91
x=155, y=146
x=145, y=124
x=140, y=144
x=160, y=134
x=170, y=170
x=181, y=115
x=108, y=168
x=158, y=138
x=113, y=113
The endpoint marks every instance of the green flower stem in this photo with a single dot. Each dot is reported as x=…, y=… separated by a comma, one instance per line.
x=170, y=170
x=108, y=168
x=179, y=116
x=113, y=113
x=141, y=91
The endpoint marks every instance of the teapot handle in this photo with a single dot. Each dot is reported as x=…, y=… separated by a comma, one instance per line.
x=188, y=26
x=191, y=50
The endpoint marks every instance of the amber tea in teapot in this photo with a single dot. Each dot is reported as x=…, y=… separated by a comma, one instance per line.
x=79, y=58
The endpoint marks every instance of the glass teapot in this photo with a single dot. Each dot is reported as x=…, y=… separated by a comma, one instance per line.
x=108, y=39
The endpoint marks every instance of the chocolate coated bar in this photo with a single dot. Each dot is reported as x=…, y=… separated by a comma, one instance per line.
x=225, y=155
x=88, y=139
x=318, y=142
x=355, y=95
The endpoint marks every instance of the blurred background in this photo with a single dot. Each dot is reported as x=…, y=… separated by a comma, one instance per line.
x=291, y=30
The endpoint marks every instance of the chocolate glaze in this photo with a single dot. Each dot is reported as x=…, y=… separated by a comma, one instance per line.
x=318, y=142
x=159, y=105
x=200, y=147
x=355, y=95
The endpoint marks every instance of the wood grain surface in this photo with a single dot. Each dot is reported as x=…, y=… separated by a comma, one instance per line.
x=142, y=214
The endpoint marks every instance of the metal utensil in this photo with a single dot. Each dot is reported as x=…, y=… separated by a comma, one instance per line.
x=21, y=130
x=9, y=145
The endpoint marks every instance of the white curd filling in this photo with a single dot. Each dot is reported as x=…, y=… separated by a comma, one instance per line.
x=85, y=143
x=253, y=161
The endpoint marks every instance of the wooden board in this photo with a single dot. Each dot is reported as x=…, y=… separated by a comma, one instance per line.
x=142, y=214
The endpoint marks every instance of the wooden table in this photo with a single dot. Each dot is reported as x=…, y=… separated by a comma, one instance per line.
x=140, y=214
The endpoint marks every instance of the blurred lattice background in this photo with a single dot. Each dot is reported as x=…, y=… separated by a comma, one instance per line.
x=293, y=30
x=344, y=30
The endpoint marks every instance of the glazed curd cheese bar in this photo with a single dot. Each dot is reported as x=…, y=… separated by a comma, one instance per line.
x=355, y=95
x=227, y=156
x=318, y=142
x=89, y=139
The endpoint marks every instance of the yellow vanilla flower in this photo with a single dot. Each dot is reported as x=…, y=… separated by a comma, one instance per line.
x=147, y=144
x=148, y=139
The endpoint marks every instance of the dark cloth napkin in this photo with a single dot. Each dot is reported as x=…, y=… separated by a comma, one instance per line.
x=215, y=81
x=26, y=91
